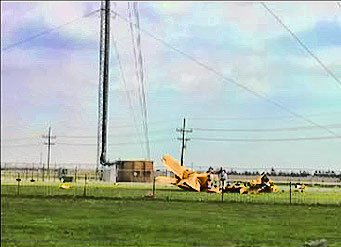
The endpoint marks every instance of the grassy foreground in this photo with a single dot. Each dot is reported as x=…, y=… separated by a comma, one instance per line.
x=38, y=221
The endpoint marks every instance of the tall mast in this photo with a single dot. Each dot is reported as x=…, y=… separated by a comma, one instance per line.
x=103, y=84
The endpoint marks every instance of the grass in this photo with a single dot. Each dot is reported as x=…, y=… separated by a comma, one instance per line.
x=312, y=196
x=38, y=221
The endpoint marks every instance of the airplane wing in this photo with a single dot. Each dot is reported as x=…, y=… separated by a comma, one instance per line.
x=173, y=165
x=189, y=179
x=194, y=181
x=191, y=182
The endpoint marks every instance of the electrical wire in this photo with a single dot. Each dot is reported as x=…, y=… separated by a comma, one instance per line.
x=129, y=97
x=267, y=140
x=135, y=34
x=116, y=135
x=302, y=44
x=137, y=71
x=47, y=31
x=260, y=118
x=19, y=145
x=223, y=77
x=141, y=66
x=267, y=130
x=18, y=139
x=112, y=144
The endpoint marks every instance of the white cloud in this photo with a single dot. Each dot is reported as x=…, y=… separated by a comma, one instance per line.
x=174, y=8
x=298, y=16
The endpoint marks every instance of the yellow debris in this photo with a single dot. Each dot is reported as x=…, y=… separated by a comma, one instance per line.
x=65, y=186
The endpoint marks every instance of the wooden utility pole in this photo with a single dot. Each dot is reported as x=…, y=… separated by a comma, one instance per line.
x=41, y=165
x=49, y=143
x=183, y=139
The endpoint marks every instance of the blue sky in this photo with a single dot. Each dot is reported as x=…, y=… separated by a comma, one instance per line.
x=53, y=80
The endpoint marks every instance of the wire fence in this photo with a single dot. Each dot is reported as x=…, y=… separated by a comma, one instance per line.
x=87, y=183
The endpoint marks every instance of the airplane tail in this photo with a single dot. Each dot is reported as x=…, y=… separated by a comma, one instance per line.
x=174, y=166
x=188, y=177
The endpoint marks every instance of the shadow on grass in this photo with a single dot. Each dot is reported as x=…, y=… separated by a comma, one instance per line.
x=165, y=199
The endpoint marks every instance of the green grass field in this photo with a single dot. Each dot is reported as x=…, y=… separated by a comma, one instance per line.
x=124, y=215
x=40, y=221
x=312, y=196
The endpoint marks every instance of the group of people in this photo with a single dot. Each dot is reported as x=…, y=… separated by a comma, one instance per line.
x=217, y=178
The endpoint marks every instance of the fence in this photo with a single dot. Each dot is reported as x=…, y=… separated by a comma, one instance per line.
x=87, y=183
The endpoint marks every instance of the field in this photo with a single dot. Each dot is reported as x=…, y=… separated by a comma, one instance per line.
x=314, y=195
x=126, y=215
x=98, y=222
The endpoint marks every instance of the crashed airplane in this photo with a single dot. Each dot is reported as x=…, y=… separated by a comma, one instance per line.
x=185, y=178
x=211, y=181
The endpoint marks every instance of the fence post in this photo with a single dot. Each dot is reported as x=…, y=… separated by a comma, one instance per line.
x=18, y=179
x=222, y=190
x=75, y=176
x=154, y=186
x=85, y=178
x=290, y=191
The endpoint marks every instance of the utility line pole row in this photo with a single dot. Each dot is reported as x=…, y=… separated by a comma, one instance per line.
x=183, y=139
x=49, y=143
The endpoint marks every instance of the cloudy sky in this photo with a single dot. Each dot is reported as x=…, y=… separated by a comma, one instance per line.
x=52, y=80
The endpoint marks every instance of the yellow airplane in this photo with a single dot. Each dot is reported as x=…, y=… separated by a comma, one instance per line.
x=261, y=184
x=300, y=187
x=189, y=179
x=185, y=178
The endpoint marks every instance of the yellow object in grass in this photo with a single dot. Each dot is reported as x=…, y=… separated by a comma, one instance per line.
x=65, y=186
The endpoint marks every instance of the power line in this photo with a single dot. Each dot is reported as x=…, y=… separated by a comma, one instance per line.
x=113, y=144
x=266, y=130
x=261, y=118
x=137, y=71
x=302, y=44
x=116, y=135
x=20, y=145
x=267, y=140
x=123, y=125
x=76, y=144
x=136, y=41
x=123, y=79
x=83, y=136
x=47, y=31
x=141, y=66
x=223, y=77
x=18, y=139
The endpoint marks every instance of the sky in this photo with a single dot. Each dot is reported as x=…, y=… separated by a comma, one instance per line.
x=52, y=80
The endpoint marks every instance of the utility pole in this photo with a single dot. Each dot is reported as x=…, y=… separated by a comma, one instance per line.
x=183, y=139
x=49, y=143
x=41, y=165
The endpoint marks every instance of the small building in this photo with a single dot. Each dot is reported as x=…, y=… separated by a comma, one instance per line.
x=138, y=170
